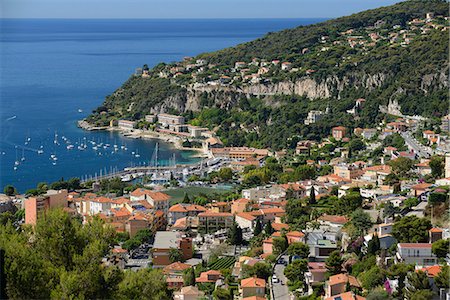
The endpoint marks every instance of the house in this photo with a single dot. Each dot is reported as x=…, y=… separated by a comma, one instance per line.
x=252, y=287
x=368, y=133
x=137, y=222
x=150, y=118
x=397, y=126
x=35, y=206
x=246, y=220
x=423, y=168
x=188, y=293
x=347, y=171
x=183, y=210
x=418, y=189
x=295, y=237
x=209, y=276
x=125, y=124
x=416, y=253
x=333, y=220
x=174, y=274
x=338, y=132
x=286, y=66
x=240, y=205
x=212, y=221
x=322, y=241
x=337, y=284
x=158, y=200
x=316, y=272
x=167, y=240
x=435, y=234
x=346, y=296
x=166, y=120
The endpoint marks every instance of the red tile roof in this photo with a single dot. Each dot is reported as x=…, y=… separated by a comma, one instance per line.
x=253, y=282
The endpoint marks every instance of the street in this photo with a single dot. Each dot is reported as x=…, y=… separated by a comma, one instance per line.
x=412, y=143
x=281, y=291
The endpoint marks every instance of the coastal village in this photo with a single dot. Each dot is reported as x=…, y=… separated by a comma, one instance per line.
x=361, y=213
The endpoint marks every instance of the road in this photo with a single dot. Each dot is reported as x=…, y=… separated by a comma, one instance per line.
x=419, y=149
x=281, y=291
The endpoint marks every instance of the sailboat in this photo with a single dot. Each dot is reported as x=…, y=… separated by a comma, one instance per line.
x=23, y=155
x=56, y=139
x=16, y=163
x=137, y=154
x=40, y=150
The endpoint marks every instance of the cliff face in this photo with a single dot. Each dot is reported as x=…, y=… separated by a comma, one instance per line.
x=226, y=97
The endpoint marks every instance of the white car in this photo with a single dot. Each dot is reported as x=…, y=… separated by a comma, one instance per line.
x=275, y=279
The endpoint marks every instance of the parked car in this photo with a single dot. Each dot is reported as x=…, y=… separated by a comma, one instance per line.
x=275, y=279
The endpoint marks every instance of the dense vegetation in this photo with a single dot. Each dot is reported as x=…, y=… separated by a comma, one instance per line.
x=413, y=74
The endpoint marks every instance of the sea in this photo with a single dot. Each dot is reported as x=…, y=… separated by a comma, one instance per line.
x=54, y=72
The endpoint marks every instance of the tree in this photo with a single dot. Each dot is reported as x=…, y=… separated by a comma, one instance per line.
x=411, y=229
x=356, y=145
x=258, y=228
x=399, y=272
x=10, y=190
x=268, y=229
x=372, y=278
x=295, y=271
x=143, y=284
x=442, y=279
x=422, y=295
x=378, y=294
x=189, y=277
x=260, y=270
x=334, y=263
x=279, y=245
x=348, y=203
x=175, y=255
x=437, y=166
x=361, y=220
x=225, y=174
x=235, y=236
x=221, y=294
x=312, y=196
x=389, y=210
x=298, y=249
x=401, y=166
x=441, y=248
x=416, y=281
x=374, y=245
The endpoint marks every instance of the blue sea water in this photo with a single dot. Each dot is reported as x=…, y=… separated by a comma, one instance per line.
x=49, y=69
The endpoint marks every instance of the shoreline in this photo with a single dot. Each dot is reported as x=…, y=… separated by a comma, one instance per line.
x=175, y=141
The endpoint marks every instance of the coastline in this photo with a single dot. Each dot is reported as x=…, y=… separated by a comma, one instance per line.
x=175, y=141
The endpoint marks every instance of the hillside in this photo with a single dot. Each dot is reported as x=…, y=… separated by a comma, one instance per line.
x=265, y=88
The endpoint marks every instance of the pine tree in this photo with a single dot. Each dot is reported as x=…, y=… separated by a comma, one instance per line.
x=374, y=245
x=258, y=228
x=312, y=196
x=235, y=236
x=268, y=229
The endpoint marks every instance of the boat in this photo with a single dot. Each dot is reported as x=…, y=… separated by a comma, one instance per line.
x=40, y=151
x=69, y=147
x=54, y=163
x=16, y=163
x=15, y=168
x=11, y=118
x=80, y=110
x=137, y=154
x=56, y=139
x=23, y=155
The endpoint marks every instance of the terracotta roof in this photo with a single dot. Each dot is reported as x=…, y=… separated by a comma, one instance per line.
x=214, y=214
x=432, y=270
x=102, y=200
x=345, y=296
x=253, y=282
x=246, y=216
x=156, y=196
x=435, y=229
x=190, y=290
x=122, y=212
x=334, y=219
x=176, y=266
x=339, y=128
x=343, y=278
x=293, y=186
x=379, y=168
x=279, y=226
x=415, y=245
x=421, y=186
x=295, y=234
x=182, y=207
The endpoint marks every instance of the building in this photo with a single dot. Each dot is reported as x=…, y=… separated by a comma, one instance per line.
x=338, y=132
x=347, y=171
x=435, y=234
x=346, y=296
x=337, y=284
x=212, y=221
x=253, y=287
x=246, y=221
x=166, y=120
x=316, y=272
x=150, y=118
x=174, y=274
x=209, y=276
x=286, y=66
x=158, y=200
x=240, y=205
x=125, y=124
x=167, y=240
x=35, y=206
x=416, y=253
x=188, y=293
x=239, y=153
x=137, y=222
x=182, y=210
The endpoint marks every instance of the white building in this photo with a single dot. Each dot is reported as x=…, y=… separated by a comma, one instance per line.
x=125, y=124
x=416, y=253
x=313, y=116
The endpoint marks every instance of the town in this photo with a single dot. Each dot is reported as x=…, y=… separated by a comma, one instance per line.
x=361, y=213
